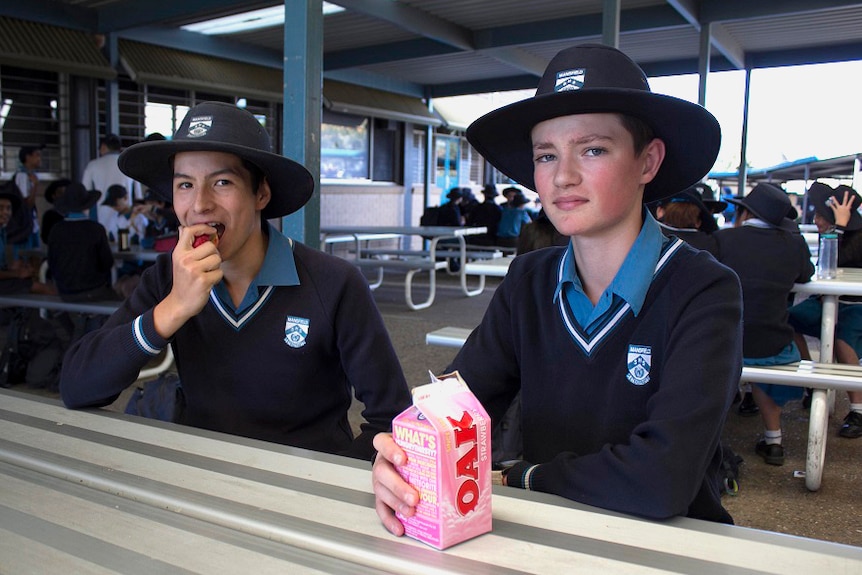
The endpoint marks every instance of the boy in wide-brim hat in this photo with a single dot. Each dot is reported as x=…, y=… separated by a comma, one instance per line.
x=271, y=338
x=624, y=345
x=769, y=255
x=837, y=210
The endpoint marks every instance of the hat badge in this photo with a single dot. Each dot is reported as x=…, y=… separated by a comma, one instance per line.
x=568, y=80
x=199, y=126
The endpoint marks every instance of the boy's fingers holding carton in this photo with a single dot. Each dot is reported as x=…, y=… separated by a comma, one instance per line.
x=390, y=489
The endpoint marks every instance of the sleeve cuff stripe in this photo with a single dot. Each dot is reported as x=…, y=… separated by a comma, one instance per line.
x=138, y=332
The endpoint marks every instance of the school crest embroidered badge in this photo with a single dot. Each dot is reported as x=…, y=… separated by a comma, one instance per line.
x=638, y=362
x=569, y=80
x=295, y=331
x=199, y=126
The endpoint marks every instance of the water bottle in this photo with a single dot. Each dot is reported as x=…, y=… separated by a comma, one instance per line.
x=827, y=258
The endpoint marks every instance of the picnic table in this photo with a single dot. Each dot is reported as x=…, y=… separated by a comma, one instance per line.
x=411, y=261
x=99, y=491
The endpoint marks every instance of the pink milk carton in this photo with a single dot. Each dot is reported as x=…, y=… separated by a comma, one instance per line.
x=447, y=437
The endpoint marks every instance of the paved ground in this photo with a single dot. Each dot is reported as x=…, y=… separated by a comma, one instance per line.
x=769, y=498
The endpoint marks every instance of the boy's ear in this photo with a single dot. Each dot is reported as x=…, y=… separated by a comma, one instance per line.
x=263, y=195
x=653, y=156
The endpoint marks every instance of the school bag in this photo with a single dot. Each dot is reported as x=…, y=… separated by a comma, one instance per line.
x=20, y=225
x=33, y=352
x=430, y=217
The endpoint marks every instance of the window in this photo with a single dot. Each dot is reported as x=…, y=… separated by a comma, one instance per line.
x=343, y=147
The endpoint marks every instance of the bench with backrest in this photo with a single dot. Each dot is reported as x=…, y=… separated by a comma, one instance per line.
x=823, y=378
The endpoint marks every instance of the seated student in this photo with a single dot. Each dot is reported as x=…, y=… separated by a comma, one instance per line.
x=485, y=214
x=716, y=207
x=16, y=275
x=513, y=217
x=270, y=336
x=538, y=234
x=769, y=255
x=79, y=258
x=685, y=216
x=625, y=345
x=837, y=210
x=450, y=212
x=52, y=215
x=79, y=255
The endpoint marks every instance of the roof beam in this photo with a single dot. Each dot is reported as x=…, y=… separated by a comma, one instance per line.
x=520, y=59
x=416, y=21
x=203, y=44
x=719, y=37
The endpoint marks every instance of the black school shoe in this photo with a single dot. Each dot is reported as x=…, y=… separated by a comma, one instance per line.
x=747, y=407
x=772, y=453
x=852, y=426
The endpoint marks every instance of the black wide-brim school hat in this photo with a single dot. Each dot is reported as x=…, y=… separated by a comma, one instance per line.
x=76, y=198
x=220, y=127
x=819, y=193
x=593, y=78
x=769, y=203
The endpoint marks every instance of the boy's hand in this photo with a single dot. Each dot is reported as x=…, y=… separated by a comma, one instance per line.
x=196, y=270
x=842, y=209
x=391, y=492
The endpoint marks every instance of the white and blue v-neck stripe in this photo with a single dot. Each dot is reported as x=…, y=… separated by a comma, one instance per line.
x=278, y=269
x=589, y=325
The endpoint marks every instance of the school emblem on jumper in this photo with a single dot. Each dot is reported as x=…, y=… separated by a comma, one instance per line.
x=199, y=126
x=638, y=363
x=295, y=331
x=569, y=80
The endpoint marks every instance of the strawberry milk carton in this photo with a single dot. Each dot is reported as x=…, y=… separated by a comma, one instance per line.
x=447, y=437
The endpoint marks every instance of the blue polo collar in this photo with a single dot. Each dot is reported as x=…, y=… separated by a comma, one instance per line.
x=631, y=282
x=278, y=269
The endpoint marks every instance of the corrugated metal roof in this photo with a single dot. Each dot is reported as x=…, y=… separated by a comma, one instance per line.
x=150, y=64
x=351, y=99
x=45, y=47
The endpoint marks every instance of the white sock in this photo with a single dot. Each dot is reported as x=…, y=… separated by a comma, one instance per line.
x=772, y=437
x=857, y=407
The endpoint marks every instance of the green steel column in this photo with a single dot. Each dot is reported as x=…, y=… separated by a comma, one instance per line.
x=303, y=80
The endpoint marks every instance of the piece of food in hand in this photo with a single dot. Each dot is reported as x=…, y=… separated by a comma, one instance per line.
x=214, y=238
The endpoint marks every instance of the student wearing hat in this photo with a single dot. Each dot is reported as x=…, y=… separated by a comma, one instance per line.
x=51, y=216
x=837, y=210
x=271, y=338
x=486, y=214
x=769, y=255
x=79, y=255
x=707, y=196
x=16, y=276
x=685, y=216
x=625, y=345
x=513, y=217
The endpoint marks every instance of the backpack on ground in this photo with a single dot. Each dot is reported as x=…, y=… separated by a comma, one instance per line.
x=33, y=353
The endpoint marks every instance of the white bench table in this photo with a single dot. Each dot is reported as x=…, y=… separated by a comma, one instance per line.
x=96, y=491
x=434, y=234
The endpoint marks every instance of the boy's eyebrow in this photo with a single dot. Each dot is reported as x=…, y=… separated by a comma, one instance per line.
x=587, y=139
x=230, y=171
